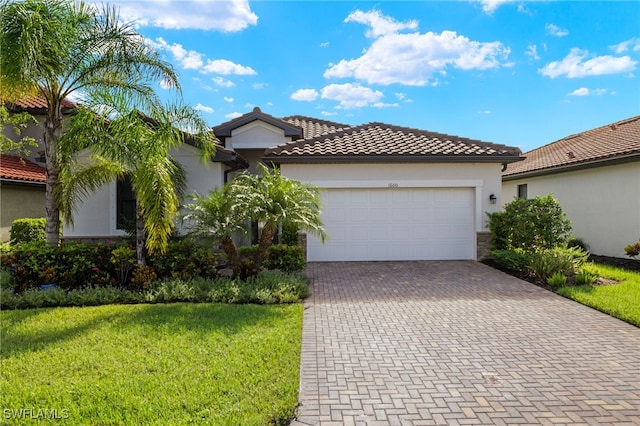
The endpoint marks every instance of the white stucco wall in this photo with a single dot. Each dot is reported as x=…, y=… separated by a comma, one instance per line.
x=602, y=203
x=256, y=134
x=484, y=178
x=97, y=216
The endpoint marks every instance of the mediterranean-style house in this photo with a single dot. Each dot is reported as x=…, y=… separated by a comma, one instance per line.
x=22, y=178
x=389, y=192
x=595, y=175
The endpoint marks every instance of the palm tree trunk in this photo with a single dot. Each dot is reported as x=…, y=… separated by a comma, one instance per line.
x=230, y=249
x=52, y=131
x=140, y=237
x=266, y=239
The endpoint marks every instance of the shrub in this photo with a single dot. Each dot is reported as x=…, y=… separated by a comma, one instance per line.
x=513, y=260
x=584, y=277
x=544, y=263
x=529, y=224
x=70, y=265
x=289, y=235
x=578, y=243
x=558, y=279
x=143, y=275
x=186, y=259
x=6, y=280
x=633, y=250
x=282, y=257
x=27, y=230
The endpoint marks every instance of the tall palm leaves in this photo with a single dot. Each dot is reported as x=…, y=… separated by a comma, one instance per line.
x=57, y=48
x=97, y=150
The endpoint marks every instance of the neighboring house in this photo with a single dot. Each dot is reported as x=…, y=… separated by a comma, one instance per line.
x=595, y=175
x=389, y=192
x=21, y=191
x=22, y=179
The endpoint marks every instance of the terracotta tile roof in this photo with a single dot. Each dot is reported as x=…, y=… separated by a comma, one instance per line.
x=36, y=105
x=379, y=141
x=613, y=141
x=13, y=168
x=313, y=127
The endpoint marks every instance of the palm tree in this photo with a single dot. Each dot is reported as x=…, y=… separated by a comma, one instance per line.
x=60, y=48
x=122, y=141
x=269, y=198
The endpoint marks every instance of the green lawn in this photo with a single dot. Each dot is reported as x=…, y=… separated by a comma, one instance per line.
x=151, y=364
x=620, y=300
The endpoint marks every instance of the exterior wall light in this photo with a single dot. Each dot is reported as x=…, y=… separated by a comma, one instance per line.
x=493, y=199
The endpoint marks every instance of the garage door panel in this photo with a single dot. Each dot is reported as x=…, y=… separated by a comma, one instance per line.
x=396, y=224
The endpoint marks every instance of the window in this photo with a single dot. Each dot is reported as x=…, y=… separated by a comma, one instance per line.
x=126, y=204
x=522, y=191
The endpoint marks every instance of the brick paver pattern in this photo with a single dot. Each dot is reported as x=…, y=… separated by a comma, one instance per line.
x=426, y=343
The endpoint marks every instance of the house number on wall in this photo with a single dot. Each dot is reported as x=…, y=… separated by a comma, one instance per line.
x=393, y=185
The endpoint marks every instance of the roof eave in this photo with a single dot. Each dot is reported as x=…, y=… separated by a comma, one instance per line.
x=600, y=162
x=277, y=159
x=10, y=181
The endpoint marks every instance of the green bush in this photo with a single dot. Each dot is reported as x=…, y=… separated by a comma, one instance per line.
x=289, y=235
x=544, y=263
x=72, y=265
x=282, y=257
x=27, y=230
x=513, y=260
x=529, y=224
x=584, y=277
x=578, y=243
x=558, y=279
x=186, y=259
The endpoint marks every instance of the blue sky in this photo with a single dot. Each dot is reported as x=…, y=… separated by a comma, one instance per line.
x=518, y=73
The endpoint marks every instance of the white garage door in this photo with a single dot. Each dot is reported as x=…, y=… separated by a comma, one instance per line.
x=396, y=224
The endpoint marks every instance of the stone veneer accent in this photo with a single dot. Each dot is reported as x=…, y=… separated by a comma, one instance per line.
x=482, y=244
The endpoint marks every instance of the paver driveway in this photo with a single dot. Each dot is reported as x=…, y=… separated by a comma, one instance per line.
x=395, y=343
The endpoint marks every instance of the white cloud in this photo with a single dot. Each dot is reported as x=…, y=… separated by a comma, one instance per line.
x=228, y=99
x=305, y=95
x=411, y=59
x=188, y=59
x=165, y=84
x=485, y=112
x=226, y=67
x=583, y=91
x=383, y=105
x=490, y=6
x=532, y=52
x=226, y=16
x=222, y=82
x=203, y=108
x=324, y=44
x=631, y=44
x=191, y=59
x=259, y=86
x=232, y=115
x=351, y=95
x=380, y=24
x=555, y=30
x=574, y=66
x=328, y=114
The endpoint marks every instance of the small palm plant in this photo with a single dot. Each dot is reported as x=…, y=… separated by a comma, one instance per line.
x=269, y=198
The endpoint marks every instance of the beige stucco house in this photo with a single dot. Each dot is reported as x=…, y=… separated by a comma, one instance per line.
x=595, y=175
x=389, y=192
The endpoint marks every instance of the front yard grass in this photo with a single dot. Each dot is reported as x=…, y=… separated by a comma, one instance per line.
x=151, y=364
x=621, y=300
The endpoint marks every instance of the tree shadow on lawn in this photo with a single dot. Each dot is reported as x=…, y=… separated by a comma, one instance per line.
x=175, y=318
